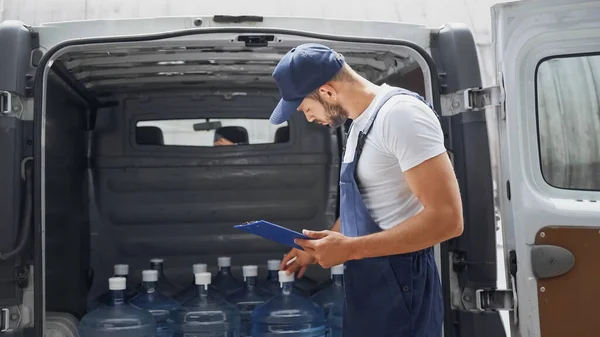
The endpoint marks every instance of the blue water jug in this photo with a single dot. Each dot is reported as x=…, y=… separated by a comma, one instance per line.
x=288, y=314
x=271, y=284
x=164, y=285
x=157, y=303
x=119, y=270
x=225, y=282
x=117, y=319
x=248, y=298
x=332, y=300
x=191, y=290
x=205, y=315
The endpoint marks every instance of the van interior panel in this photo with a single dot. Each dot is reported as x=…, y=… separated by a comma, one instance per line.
x=580, y=318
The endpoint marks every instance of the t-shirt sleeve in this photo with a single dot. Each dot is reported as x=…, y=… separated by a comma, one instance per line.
x=412, y=133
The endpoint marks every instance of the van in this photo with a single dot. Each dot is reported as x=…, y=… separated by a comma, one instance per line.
x=109, y=132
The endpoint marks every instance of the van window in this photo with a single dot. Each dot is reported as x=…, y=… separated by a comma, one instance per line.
x=568, y=112
x=210, y=132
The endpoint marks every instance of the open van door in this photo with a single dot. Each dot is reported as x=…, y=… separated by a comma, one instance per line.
x=16, y=176
x=548, y=62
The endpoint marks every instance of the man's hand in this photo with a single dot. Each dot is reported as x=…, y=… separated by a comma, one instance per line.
x=328, y=248
x=303, y=259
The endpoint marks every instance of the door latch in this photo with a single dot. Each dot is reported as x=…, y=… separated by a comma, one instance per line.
x=5, y=102
x=4, y=321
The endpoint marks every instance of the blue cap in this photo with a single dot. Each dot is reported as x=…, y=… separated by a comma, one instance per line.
x=301, y=71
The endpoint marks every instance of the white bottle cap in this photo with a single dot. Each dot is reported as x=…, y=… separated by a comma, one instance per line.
x=157, y=260
x=224, y=261
x=149, y=275
x=284, y=277
x=250, y=271
x=337, y=270
x=117, y=283
x=273, y=264
x=202, y=279
x=199, y=268
x=121, y=269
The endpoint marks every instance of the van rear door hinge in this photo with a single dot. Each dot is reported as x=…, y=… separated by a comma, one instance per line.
x=494, y=299
x=5, y=102
x=478, y=98
x=4, y=320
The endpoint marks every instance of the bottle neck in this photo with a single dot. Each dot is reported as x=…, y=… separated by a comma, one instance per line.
x=273, y=275
x=224, y=270
x=203, y=290
x=287, y=287
x=338, y=280
x=117, y=297
x=251, y=282
x=157, y=266
x=149, y=287
x=121, y=275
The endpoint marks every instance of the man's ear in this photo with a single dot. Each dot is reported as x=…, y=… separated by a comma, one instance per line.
x=327, y=92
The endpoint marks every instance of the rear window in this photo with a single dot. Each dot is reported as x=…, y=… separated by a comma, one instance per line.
x=568, y=112
x=210, y=132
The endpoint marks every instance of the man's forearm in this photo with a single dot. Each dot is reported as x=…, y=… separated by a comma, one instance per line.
x=421, y=231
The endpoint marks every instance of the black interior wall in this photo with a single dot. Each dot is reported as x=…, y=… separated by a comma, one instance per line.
x=67, y=215
x=181, y=203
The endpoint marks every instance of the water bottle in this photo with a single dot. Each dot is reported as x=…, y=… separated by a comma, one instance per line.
x=119, y=270
x=288, y=314
x=332, y=300
x=155, y=302
x=117, y=319
x=248, y=298
x=191, y=290
x=225, y=282
x=271, y=284
x=163, y=285
x=205, y=315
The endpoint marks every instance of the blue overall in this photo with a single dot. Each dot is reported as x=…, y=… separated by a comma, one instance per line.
x=390, y=296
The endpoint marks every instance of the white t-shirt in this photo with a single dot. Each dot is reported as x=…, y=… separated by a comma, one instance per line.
x=406, y=132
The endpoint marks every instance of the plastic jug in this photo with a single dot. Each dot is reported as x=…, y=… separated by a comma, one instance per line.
x=288, y=314
x=119, y=270
x=333, y=296
x=205, y=315
x=248, y=298
x=117, y=319
x=191, y=290
x=225, y=282
x=155, y=302
x=164, y=285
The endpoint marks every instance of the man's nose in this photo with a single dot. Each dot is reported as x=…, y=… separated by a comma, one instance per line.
x=309, y=118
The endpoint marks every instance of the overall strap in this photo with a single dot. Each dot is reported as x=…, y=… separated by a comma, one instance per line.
x=362, y=135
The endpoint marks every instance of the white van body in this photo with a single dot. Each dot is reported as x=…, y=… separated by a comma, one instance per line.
x=115, y=76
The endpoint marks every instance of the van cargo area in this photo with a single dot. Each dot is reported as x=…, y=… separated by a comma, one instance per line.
x=131, y=172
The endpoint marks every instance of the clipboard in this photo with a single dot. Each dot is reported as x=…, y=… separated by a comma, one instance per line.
x=273, y=232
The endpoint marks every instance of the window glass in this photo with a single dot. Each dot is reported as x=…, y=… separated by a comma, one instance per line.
x=210, y=132
x=568, y=111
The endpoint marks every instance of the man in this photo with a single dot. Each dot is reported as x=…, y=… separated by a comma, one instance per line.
x=230, y=135
x=400, y=199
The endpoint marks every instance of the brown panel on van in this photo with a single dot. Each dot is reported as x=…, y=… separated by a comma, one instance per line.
x=568, y=302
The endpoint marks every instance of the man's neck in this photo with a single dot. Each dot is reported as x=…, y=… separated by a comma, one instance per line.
x=358, y=97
